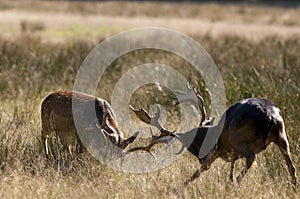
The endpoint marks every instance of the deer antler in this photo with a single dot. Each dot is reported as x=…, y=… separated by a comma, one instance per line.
x=168, y=140
x=153, y=121
x=191, y=96
x=165, y=136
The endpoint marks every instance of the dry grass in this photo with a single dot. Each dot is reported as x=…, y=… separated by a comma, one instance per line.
x=53, y=67
x=31, y=67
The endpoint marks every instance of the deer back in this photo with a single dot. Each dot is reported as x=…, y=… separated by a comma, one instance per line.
x=57, y=115
x=251, y=120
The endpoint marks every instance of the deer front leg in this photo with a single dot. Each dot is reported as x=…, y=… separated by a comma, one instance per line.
x=194, y=176
x=44, y=143
x=249, y=161
x=208, y=160
x=231, y=170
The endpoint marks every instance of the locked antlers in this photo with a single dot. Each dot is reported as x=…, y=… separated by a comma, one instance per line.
x=166, y=136
x=153, y=121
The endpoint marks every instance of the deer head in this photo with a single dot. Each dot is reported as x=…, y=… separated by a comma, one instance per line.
x=116, y=136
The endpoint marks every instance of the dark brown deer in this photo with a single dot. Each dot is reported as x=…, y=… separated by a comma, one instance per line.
x=57, y=116
x=245, y=129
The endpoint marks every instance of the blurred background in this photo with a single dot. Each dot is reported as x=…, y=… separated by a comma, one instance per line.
x=60, y=19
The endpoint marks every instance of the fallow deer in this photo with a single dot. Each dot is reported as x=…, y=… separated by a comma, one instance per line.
x=245, y=129
x=57, y=116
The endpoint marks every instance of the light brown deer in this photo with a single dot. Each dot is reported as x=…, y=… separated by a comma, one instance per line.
x=246, y=128
x=57, y=116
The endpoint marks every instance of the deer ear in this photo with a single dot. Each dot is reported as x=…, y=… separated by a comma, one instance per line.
x=105, y=132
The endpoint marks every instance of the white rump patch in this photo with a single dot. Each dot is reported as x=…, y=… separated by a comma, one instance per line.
x=277, y=114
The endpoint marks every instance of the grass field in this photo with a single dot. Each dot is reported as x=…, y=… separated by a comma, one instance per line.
x=43, y=43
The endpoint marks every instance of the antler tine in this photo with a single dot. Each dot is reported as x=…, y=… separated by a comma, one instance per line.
x=166, y=136
x=153, y=121
x=180, y=151
x=154, y=136
x=201, y=106
x=143, y=148
x=188, y=96
x=151, y=132
x=149, y=146
x=192, y=96
x=168, y=140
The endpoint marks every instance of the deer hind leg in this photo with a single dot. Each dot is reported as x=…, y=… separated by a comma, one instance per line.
x=212, y=156
x=283, y=145
x=70, y=150
x=46, y=145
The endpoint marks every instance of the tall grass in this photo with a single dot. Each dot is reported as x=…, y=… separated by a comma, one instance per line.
x=30, y=68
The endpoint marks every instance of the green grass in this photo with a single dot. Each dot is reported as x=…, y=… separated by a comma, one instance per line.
x=30, y=68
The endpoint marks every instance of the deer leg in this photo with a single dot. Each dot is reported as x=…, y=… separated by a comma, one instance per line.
x=284, y=148
x=212, y=156
x=79, y=148
x=250, y=158
x=231, y=170
x=58, y=146
x=194, y=176
x=45, y=143
x=70, y=150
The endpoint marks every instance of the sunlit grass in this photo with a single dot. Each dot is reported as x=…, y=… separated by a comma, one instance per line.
x=31, y=68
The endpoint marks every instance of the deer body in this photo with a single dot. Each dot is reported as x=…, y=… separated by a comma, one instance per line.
x=245, y=129
x=250, y=126
x=57, y=116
